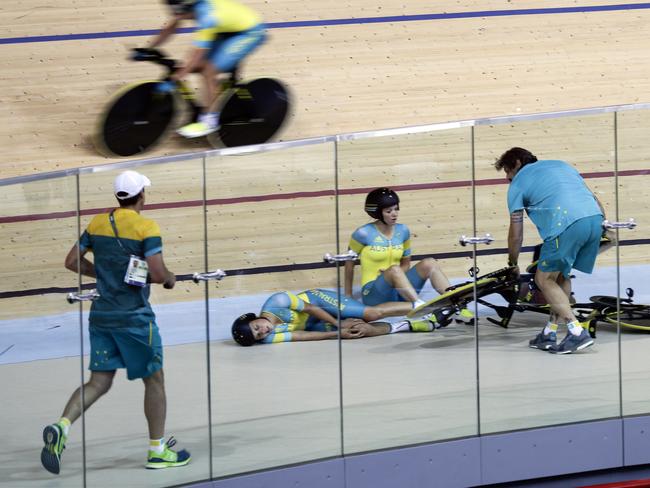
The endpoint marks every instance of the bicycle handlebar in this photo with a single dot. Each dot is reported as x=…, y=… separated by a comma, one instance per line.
x=155, y=56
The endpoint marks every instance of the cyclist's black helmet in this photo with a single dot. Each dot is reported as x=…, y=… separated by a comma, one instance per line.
x=241, y=329
x=181, y=6
x=379, y=199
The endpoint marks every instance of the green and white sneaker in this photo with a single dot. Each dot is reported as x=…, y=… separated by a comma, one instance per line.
x=206, y=124
x=168, y=458
x=465, y=316
x=424, y=325
x=466, y=313
x=54, y=439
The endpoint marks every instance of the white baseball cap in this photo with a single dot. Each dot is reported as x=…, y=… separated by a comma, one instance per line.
x=129, y=184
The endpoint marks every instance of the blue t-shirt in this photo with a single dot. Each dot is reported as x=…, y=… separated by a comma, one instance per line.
x=554, y=196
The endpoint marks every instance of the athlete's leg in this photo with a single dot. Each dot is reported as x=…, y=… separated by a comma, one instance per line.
x=351, y=308
x=106, y=359
x=207, y=122
x=430, y=269
x=155, y=409
x=213, y=88
x=557, y=297
x=98, y=384
x=396, y=278
x=552, y=285
x=55, y=435
x=155, y=404
x=565, y=284
x=232, y=49
x=357, y=328
x=225, y=55
x=557, y=258
x=379, y=328
x=554, y=319
x=387, y=309
x=143, y=355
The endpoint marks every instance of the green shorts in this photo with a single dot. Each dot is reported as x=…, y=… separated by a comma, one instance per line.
x=575, y=248
x=138, y=349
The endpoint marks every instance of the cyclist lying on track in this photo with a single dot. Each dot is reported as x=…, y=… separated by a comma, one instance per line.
x=226, y=33
x=311, y=315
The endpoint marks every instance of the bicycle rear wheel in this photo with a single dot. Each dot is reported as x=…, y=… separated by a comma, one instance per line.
x=135, y=120
x=609, y=301
x=250, y=113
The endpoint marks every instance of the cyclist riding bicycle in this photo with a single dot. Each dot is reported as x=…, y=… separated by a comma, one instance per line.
x=226, y=33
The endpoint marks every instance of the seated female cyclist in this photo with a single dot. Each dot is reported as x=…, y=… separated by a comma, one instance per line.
x=310, y=316
x=384, y=249
x=226, y=33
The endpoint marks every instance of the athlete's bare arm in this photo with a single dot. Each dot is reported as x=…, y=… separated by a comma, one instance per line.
x=349, y=278
x=159, y=272
x=81, y=265
x=515, y=236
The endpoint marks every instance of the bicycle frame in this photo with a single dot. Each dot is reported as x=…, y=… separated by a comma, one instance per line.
x=598, y=309
x=158, y=57
x=503, y=282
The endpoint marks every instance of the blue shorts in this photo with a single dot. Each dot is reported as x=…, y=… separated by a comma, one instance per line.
x=575, y=248
x=138, y=349
x=380, y=291
x=227, y=50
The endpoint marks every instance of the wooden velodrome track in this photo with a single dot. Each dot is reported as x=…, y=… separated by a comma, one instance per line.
x=344, y=78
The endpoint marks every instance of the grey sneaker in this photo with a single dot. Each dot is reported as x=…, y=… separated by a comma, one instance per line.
x=573, y=343
x=542, y=341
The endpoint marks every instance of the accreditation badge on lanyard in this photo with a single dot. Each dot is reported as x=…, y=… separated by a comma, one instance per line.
x=137, y=270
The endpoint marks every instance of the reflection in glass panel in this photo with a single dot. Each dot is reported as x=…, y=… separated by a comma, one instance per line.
x=39, y=332
x=271, y=218
x=408, y=387
x=633, y=177
x=117, y=431
x=523, y=387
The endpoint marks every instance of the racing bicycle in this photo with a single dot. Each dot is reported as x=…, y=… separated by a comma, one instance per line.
x=521, y=295
x=138, y=116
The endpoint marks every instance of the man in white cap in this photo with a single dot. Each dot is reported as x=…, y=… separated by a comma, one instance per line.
x=127, y=250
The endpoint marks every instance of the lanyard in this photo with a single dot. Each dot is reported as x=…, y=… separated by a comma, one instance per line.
x=137, y=270
x=112, y=219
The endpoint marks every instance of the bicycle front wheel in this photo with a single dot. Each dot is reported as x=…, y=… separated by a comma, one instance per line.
x=135, y=120
x=630, y=316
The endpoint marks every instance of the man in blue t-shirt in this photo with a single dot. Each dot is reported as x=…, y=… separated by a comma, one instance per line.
x=127, y=256
x=569, y=218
